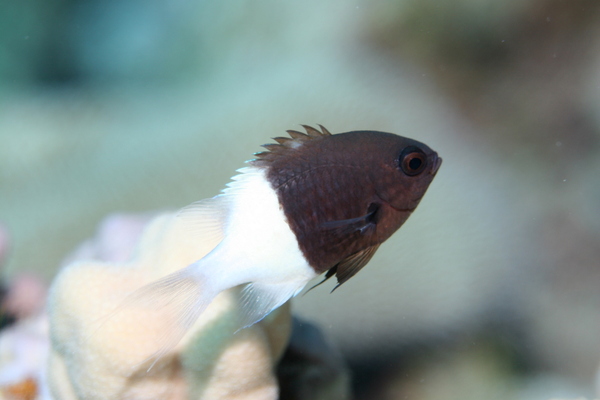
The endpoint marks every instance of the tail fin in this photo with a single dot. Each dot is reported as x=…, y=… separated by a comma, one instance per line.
x=175, y=303
x=156, y=317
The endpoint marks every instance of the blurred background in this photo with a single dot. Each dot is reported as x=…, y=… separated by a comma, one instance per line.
x=489, y=291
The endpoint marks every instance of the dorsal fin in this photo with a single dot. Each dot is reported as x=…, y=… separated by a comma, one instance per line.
x=285, y=144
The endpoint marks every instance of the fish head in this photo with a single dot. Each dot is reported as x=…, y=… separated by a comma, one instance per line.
x=345, y=193
x=401, y=170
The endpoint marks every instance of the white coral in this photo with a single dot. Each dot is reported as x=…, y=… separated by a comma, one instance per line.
x=94, y=357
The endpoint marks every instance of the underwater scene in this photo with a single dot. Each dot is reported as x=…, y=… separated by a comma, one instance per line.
x=246, y=200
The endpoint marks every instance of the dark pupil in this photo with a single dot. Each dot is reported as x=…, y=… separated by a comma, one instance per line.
x=415, y=163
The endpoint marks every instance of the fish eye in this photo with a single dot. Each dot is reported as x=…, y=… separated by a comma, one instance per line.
x=412, y=161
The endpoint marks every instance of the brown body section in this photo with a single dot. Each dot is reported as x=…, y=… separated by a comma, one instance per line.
x=345, y=194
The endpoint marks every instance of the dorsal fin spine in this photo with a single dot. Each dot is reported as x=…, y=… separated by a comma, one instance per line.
x=285, y=144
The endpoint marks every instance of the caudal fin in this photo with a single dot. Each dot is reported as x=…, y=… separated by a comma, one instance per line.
x=172, y=303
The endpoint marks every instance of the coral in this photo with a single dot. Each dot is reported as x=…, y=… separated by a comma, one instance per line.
x=98, y=357
x=25, y=296
x=4, y=244
x=23, y=333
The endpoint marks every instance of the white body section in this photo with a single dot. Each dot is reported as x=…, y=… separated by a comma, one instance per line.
x=255, y=247
x=258, y=244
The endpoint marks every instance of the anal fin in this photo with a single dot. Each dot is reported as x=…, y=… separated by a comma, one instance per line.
x=259, y=299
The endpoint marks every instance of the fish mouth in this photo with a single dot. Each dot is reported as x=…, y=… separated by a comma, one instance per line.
x=437, y=162
x=401, y=209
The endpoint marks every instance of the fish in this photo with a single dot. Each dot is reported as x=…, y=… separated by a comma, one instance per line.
x=310, y=204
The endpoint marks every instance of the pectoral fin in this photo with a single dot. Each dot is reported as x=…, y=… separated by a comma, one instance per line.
x=362, y=224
